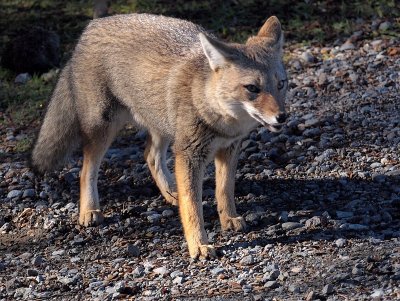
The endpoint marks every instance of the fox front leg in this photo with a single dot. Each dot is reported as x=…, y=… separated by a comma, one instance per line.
x=189, y=174
x=225, y=170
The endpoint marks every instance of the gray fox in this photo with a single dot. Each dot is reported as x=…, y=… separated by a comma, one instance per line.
x=186, y=88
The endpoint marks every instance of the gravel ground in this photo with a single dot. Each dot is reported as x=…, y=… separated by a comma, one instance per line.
x=322, y=200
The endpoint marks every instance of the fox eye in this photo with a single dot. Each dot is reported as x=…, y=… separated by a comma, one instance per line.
x=281, y=84
x=252, y=89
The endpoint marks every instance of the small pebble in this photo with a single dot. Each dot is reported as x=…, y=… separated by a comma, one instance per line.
x=340, y=243
x=133, y=250
x=327, y=290
x=14, y=194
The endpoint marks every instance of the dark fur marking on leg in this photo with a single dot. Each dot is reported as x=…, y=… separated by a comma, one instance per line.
x=114, y=105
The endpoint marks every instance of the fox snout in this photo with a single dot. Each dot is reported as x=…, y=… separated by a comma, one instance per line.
x=270, y=112
x=281, y=118
x=277, y=127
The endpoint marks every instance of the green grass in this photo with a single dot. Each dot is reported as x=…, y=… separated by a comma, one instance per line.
x=23, y=145
x=22, y=104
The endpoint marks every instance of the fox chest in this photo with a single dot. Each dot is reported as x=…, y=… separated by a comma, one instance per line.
x=220, y=143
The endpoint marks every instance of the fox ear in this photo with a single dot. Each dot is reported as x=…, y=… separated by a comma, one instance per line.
x=217, y=53
x=272, y=30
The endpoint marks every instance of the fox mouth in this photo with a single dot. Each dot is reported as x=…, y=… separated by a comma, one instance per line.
x=275, y=127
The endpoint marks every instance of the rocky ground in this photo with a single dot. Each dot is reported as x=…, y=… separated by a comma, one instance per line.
x=322, y=201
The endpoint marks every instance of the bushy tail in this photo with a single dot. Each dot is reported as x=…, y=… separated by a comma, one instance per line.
x=59, y=134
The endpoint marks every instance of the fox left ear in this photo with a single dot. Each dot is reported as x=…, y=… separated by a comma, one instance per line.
x=218, y=53
x=272, y=30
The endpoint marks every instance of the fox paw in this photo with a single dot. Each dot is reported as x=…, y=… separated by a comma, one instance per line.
x=203, y=251
x=91, y=218
x=233, y=223
x=171, y=197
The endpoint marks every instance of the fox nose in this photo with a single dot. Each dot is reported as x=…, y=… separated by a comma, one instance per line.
x=281, y=117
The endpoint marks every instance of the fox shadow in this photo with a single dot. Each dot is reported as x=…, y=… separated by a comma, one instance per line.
x=373, y=206
x=372, y=209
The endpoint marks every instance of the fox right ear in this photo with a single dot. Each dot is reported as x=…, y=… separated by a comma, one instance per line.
x=272, y=30
x=217, y=53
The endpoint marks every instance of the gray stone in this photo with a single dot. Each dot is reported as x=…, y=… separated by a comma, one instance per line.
x=58, y=253
x=316, y=221
x=353, y=77
x=311, y=132
x=120, y=286
x=284, y=216
x=385, y=26
x=217, y=271
x=296, y=65
x=133, y=250
x=271, y=284
x=39, y=278
x=377, y=294
x=294, y=289
x=14, y=194
x=323, y=79
x=376, y=165
x=347, y=46
x=327, y=290
x=291, y=225
x=344, y=214
x=272, y=275
x=68, y=280
x=340, y=243
x=174, y=274
x=357, y=271
x=178, y=280
x=354, y=227
x=252, y=217
x=161, y=270
x=290, y=166
x=168, y=213
x=138, y=271
x=307, y=57
x=311, y=296
x=311, y=122
x=37, y=261
x=247, y=260
x=154, y=218
x=379, y=178
x=25, y=256
x=22, y=78
x=28, y=193
x=32, y=272
x=6, y=227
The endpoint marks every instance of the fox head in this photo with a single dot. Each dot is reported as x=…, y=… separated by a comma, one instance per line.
x=249, y=81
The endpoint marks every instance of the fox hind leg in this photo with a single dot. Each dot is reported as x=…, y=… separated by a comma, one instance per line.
x=93, y=152
x=89, y=207
x=155, y=155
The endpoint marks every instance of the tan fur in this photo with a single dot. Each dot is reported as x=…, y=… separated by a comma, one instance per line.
x=267, y=104
x=190, y=207
x=185, y=87
x=225, y=170
x=154, y=154
x=89, y=207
